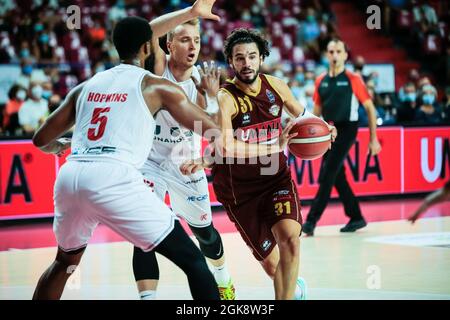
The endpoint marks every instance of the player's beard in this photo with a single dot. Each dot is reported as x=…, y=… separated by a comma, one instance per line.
x=247, y=81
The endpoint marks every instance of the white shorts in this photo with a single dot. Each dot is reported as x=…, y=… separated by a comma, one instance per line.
x=189, y=195
x=114, y=194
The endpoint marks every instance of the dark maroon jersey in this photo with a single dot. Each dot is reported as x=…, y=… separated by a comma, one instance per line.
x=257, y=120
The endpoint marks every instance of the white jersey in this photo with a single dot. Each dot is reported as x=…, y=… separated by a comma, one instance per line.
x=113, y=121
x=172, y=141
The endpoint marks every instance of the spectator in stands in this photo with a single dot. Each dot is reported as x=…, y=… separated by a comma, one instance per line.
x=429, y=112
x=34, y=110
x=358, y=66
x=309, y=29
x=17, y=96
x=446, y=106
x=408, y=102
x=425, y=17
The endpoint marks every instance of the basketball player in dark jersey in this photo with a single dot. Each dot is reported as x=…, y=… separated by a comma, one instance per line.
x=259, y=195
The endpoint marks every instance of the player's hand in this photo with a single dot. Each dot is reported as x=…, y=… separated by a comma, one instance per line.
x=203, y=9
x=374, y=147
x=62, y=145
x=209, y=79
x=286, y=135
x=333, y=132
x=189, y=167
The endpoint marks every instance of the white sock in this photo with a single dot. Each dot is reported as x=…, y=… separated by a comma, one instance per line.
x=147, y=295
x=221, y=275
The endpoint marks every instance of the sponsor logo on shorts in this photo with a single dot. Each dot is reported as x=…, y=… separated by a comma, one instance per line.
x=199, y=198
x=266, y=244
x=204, y=217
x=270, y=96
x=194, y=181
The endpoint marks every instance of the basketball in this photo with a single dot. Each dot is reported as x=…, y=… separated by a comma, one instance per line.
x=313, y=139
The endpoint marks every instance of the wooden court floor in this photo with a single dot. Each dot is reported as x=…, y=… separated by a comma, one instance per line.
x=389, y=259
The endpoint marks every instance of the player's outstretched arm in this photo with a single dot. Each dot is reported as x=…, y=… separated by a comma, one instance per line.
x=58, y=123
x=163, y=24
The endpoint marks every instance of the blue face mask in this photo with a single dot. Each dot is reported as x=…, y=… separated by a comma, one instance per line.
x=311, y=18
x=300, y=77
x=324, y=61
x=428, y=99
x=409, y=97
x=24, y=53
x=46, y=94
x=27, y=70
x=38, y=27
x=44, y=38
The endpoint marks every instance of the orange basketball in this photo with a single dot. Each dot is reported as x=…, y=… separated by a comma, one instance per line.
x=313, y=138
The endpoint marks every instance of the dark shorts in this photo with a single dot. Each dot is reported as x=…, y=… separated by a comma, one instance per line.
x=255, y=218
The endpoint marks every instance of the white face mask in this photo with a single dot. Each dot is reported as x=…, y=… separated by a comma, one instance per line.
x=37, y=92
x=21, y=95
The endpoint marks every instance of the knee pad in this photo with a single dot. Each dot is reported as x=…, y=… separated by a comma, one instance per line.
x=145, y=265
x=209, y=240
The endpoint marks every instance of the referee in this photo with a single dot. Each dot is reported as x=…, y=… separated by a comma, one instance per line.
x=337, y=95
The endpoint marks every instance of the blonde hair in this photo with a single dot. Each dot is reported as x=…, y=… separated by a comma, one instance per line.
x=193, y=22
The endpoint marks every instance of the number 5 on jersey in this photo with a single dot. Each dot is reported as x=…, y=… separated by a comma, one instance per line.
x=99, y=119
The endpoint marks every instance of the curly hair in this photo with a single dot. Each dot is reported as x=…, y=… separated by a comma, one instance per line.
x=244, y=35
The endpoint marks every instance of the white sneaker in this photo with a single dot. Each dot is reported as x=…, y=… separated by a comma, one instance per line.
x=301, y=289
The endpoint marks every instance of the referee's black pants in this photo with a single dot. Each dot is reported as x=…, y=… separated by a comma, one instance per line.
x=332, y=173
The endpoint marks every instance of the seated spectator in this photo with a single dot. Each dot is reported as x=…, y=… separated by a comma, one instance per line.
x=17, y=96
x=446, y=106
x=408, y=102
x=34, y=111
x=429, y=112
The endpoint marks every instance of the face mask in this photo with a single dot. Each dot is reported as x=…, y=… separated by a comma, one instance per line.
x=246, y=17
x=27, y=70
x=37, y=92
x=375, y=81
x=300, y=77
x=324, y=61
x=428, y=99
x=21, y=95
x=25, y=53
x=44, y=38
x=311, y=18
x=409, y=97
x=38, y=27
x=358, y=67
x=46, y=94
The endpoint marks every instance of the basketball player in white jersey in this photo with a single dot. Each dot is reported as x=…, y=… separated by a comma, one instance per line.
x=174, y=143
x=113, y=114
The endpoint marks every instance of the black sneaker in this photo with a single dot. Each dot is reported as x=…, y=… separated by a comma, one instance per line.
x=308, y=228
x=352, y=226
